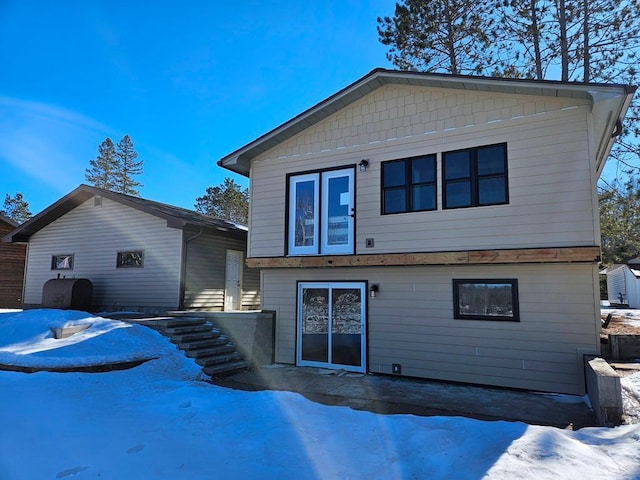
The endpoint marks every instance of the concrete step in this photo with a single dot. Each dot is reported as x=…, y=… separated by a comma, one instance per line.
x=200, y=340
x=226, y=368
x=179, y=330
x=194, y=337
x=170, y=322
x=221, y=341
x=218, y=359
x=214, y=357
x=207, y=342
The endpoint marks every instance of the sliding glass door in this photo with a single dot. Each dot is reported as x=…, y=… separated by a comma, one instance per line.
x=331, y=325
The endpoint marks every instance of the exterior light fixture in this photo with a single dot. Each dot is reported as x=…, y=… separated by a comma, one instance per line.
x=364, y=163
x=373, y=290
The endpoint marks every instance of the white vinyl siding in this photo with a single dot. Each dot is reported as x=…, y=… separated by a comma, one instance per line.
x=411, y=322
x=551, y=170
x=94, y=235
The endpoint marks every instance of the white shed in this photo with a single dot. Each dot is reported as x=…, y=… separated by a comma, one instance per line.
x=623, y=284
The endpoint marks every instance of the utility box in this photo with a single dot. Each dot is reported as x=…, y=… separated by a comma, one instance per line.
x=67, y=293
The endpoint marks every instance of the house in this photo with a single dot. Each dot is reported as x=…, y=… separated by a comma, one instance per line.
x=139, y=255
x=12, y=259
x=436, y=226
x=623, y=283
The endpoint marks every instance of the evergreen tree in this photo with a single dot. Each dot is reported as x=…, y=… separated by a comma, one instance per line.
x=525, y=23
x=127, y=168
x=447, y=35
x=587, y=41
x=620, y=221
x=16, y=208
x=102, y=171
x=115, y=167
x=227, y=201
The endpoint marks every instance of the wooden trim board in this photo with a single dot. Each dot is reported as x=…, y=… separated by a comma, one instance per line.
x=473, y=257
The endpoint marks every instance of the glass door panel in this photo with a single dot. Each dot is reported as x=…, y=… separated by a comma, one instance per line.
x=338, y=204
x=315, y=324
x=304, y=214
x=331, y=328
x=346, y=326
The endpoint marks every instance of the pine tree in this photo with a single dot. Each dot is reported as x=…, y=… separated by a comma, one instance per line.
x=127, y=168
x=447, y=35
x=227, y=201
x=102, y=171
x=16, y=208
x=525, y=23
x=620, y=221
x=115, y=167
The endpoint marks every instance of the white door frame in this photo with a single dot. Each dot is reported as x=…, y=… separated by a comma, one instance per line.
x=362, y=368
x=233, y=274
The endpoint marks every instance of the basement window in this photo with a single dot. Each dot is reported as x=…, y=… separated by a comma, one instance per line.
x=62, y=262
x=486, y=300
x=131, y=259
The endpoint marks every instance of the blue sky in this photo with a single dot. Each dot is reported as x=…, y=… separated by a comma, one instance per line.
x=189, y=81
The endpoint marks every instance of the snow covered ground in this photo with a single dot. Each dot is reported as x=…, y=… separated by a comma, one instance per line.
x=160, y=420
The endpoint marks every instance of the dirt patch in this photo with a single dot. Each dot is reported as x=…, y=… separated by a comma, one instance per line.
x=618, y=326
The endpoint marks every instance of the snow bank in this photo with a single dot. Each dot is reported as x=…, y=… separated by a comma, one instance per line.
x=26, y=339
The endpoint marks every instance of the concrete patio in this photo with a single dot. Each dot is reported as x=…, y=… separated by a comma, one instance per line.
x=400, y=395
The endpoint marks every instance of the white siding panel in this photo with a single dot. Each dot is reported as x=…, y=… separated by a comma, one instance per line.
x=94, y=235
x=551, y=170
x=411, y=322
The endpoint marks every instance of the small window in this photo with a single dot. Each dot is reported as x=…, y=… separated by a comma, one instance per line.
x=486, y=300
x=62, y=262
x=133, y=259
x=409, y=185
x=475, y=177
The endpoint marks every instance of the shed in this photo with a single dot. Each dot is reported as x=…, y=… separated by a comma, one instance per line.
x=140, y=255
x=623, y=284
x=12, y=258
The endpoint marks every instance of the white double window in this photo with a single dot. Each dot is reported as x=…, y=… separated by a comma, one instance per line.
x=321, y=213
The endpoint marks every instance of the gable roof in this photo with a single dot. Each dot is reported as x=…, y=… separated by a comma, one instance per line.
x=633, y=261
x=176, y=217
x=10, y=221
x=610, y=103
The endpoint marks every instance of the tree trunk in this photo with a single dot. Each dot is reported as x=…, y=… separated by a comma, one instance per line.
x=585, y=42
x=564, y=48
x=536, y=39
x=450, y=39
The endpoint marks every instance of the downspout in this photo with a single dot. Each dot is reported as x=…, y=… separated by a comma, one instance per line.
x=618, y=131
x=183, y=280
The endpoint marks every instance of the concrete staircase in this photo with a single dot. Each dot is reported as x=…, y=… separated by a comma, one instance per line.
x=201, y=341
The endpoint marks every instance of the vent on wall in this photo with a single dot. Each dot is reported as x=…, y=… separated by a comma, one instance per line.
x=97, y=201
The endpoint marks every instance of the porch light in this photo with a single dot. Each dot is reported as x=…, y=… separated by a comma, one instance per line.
x=373, y=290
x=364, y=163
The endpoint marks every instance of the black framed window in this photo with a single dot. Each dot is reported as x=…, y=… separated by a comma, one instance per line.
x=131, y=259
x=409, y=185
x=495, y=299
x=475, y=177
x=62, y=262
